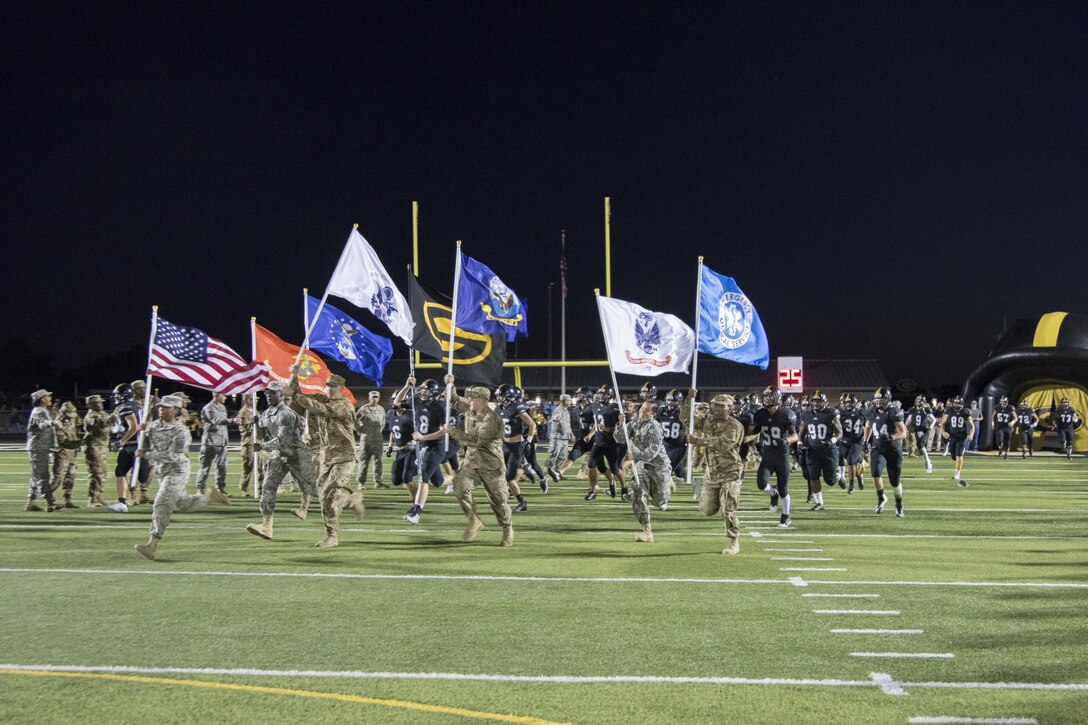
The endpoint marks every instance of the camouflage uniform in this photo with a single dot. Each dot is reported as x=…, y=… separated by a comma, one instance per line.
x=96, y=439
x=721, y=455
x=484, y=464
x=559, y=439
x=653, y=480
x=283, y=451
x=166, y=447
x=314, y=427
x=41, y=440
x=64, y=460
x=336, y=425
x=369, y=421
x=244, y=421
x=213, y=446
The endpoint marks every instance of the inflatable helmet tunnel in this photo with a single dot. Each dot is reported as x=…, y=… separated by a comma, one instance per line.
x=1040, y=360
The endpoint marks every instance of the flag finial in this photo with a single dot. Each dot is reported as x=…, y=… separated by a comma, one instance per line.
x=700, y=259
x=356, y=225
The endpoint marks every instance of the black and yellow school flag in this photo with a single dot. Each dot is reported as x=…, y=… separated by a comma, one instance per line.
x=477, y=357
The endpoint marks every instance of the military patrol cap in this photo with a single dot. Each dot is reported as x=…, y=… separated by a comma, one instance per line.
x=138, y=384
x=275, y=385
x=94, y=399
x=564, y=396
x=722, y=399
x=172, y=401
x=68, y=407
x=478, y=391
x=183, y=397
x=374, y=394
x=38, y=395
x=335, y=381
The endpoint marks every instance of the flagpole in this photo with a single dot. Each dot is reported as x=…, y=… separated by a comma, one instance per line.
x=453, y=329
x=415, y=261
x=694, y=364
x=563, y=314
x=147, y=393
x=607, y=247
x=616, y=387
x=317, y=315
x=412, y=360
x=253, y=400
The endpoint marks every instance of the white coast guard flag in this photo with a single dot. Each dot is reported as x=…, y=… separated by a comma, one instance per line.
x=361, y=279
x=641, y=342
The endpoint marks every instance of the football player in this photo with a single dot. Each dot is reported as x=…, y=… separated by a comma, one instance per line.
x=886, y=431
x=919, y=420
x=516, y=425
x=1065, y=420
x=428, y=415
x=1026, y=422
x=776, y=428
x=958, y=428
x=1001, y=421
x=800, y=450
x=821, y=432
x=673, y=429
x=853, y=435
x=605, y=451
x=581, y=427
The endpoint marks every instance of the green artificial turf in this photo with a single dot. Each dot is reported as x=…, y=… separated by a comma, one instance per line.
x=575, y=597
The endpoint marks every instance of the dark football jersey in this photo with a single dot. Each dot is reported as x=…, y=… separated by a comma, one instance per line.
x=956, y=424
x=1025, y=418
x=804, y=418
x=672, y=428
x=581, y=420
x=1003, y=417
x=1065, y=417
x=402, y=428
x=883, y=423
x=821, y=429
x=119, y=426
x=429, y=417
x=918, y=418
x=774, y=428
x=512, y=423
x=853, y=426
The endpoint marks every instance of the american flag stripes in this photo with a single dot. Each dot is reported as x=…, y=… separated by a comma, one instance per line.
x=188, y=355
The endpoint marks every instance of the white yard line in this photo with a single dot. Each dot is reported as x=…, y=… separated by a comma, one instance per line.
x=877, y=631
x=943, y=719
x=843, y=596
x=856, y=611
x=802, y=558
x=797, y=550
x=809, y=568
x=907, y=655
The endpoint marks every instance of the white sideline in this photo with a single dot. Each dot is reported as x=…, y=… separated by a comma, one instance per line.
x=844, y=596
x=877, y=631
x=810, y=568
x=802, y=558
x=907, y=655
x=883, y=681
x=855, y=611
x=942, y=719
x=797, y=550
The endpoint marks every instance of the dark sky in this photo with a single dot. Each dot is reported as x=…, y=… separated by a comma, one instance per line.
x=886, y=180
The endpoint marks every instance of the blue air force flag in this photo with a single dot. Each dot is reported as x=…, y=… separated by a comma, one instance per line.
x=729, y=325
x=485, y=304
x=361, y=279
x=641, y=342
x=344, y=339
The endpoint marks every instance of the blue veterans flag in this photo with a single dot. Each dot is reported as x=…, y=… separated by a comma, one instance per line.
x=346, y=340
x=729, y=325
x=485, y=304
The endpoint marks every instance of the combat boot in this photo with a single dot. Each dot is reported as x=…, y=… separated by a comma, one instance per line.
x=355, y=503
x=149, y=548
x=217, y=496
x=263, y=529
x=54, y=506
x=329, y=541
x=68, y=504
x=473, y=528
x=303, y=507
x=646, y=536
x=94, y=502
x=733, y=548
x=143, y=496
x=31, y=506
x=507, y=536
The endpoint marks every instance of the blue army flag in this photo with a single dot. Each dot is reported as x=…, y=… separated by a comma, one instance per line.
x=729, y=325
x=485, y=304
x=346, y=340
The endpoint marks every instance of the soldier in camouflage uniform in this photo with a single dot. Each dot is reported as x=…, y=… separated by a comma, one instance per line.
x=165, y=445
x=280, y=442
x=245, y=418
x=484, y=463
x=41, y=440
x=559, y=438
x=213, y=444
x=313, y=434
x=336, y=419
x=653, y=470
x=720, y=435
x=96, y=442
x=369, y=421
x=64, y=459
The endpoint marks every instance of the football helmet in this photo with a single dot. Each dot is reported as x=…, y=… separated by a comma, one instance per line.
x=648, y=392
x=1004, y=402
x=603, y=394
x=122, y=393
x=819, y=401
x=920, y=402
x=772, y=396
x=506, y=394
x=673, y=398
x=1063, y=403
x=428, y=390
x=881, y=398
x=849, y=402
x=957, y=402
x=582, y=395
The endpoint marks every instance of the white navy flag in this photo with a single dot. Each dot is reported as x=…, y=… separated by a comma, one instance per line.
x=361, y=279
x=642, y=342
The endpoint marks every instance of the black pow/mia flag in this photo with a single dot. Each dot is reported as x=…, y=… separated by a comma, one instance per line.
x=477, y=357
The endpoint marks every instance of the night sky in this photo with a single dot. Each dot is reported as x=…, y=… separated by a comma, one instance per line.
x=884, y=180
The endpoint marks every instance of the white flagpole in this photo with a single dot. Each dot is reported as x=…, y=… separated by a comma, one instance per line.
x=306, y=344
x=694, y=363
x=317, y=314
x=253, y=408
x=616, y=387
x=147, y=394
x=453, y=328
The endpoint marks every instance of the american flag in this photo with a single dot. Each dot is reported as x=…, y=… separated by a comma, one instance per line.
x=189, y=356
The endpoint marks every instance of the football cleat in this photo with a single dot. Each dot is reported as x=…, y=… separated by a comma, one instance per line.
x=520, y=507
x=881, y=503
x=817, y=507
x=784, y=522
x=591, y=495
